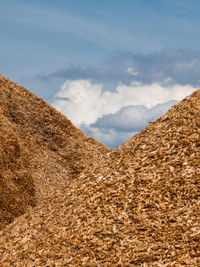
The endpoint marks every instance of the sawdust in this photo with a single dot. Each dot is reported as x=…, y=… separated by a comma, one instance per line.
x=138, y=206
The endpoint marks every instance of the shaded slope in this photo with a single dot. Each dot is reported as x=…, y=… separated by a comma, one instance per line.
x=16, y=183
x=40, y=150
x=141, y=207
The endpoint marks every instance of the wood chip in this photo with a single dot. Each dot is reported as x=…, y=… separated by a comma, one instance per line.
x=138, y=205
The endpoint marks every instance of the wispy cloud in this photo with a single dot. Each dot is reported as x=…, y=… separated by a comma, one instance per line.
x=57, y=21
x=180, y=65
x=174, y=66
x=104, y=73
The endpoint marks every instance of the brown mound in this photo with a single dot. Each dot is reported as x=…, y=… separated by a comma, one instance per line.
x=40, y=150
x=140, y=208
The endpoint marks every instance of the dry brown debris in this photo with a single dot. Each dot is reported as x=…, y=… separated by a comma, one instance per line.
x=140, y=207
x=40, y=150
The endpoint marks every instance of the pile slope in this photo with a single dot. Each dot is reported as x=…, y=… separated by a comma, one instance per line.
x=140, y=208
x=41, y=151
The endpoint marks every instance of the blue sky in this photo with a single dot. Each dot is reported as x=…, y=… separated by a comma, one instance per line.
x=108, y=49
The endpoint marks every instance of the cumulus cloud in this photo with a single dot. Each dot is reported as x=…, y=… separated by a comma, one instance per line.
x=84, y=102
x=113, y=117
x=113, y=101
x=110, y=137
x=133, y=118
x=115, y=129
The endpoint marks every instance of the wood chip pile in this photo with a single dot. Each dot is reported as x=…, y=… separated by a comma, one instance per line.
x=40, y=150
x=138, y=206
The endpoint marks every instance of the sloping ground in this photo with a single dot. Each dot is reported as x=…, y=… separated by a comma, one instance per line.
x=140, y=208
x=41, y=151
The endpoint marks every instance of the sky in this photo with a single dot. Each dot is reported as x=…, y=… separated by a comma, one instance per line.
x=110, y=66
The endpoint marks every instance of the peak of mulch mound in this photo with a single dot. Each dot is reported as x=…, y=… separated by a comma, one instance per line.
x=139, y=208
x=40, y=150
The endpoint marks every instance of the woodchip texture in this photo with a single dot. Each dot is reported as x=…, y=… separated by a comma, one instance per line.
x=138, y=205
x=40, y=150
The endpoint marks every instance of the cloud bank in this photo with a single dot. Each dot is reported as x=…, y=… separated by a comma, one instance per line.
x=114, y=101
x=133, y=118
x=178, y=66
x=112, y=117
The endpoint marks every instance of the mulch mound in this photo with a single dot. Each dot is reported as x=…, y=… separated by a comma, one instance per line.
x=138, y=206
x=40, y=150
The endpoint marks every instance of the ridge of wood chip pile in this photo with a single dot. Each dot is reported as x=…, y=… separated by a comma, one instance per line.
x=138, y=206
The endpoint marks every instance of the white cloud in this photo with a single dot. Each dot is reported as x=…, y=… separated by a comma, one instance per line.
x=133, y=118
x=114, y=129
x=114, y=117
x=84, y=103
x=132, y=71
x=110, y=137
